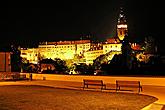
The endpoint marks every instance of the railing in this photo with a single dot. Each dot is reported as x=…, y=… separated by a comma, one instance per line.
x=12, y=76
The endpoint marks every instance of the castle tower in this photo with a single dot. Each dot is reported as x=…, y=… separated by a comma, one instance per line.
x=121, y=25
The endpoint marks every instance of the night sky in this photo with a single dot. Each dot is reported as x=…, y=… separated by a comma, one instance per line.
x=26, y=22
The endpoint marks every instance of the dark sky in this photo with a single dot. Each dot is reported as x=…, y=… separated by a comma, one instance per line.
x=29, y=22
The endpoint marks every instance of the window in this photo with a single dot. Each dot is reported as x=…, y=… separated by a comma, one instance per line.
x=120, y=32
x=24, y=54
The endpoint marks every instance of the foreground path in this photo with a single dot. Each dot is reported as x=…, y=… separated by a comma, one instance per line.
x=156, y=91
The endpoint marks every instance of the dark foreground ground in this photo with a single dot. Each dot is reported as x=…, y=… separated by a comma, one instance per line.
x=34, y=97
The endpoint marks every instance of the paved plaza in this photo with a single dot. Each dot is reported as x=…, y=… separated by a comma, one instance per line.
x=156, y=91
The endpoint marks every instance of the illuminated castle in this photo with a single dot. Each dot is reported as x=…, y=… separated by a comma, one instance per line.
x=85, y=49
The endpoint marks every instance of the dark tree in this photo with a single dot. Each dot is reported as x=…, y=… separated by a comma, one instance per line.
x=16, y=60
x=116, y=65
x=99, y=61
x=60, y=65
x=150, y=45
x=126, y=52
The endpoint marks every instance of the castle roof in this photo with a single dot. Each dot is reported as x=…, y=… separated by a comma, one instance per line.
x=136, y=47
x=66, y=42
x=112, y=40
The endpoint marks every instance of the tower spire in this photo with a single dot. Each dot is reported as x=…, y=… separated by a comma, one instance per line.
x=122, y=18
x=121, y=25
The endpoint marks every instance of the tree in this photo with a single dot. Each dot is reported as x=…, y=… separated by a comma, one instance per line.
x=126, y=51
x=76, y=58
x=116, y=65
x=150, y=45
x=40, y=57
x=60, y=65
x=69, y=64
x=83, y=68
x=100, y=60
x=16, y=59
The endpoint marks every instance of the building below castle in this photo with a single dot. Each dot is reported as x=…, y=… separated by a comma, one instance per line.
x=5, y=61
